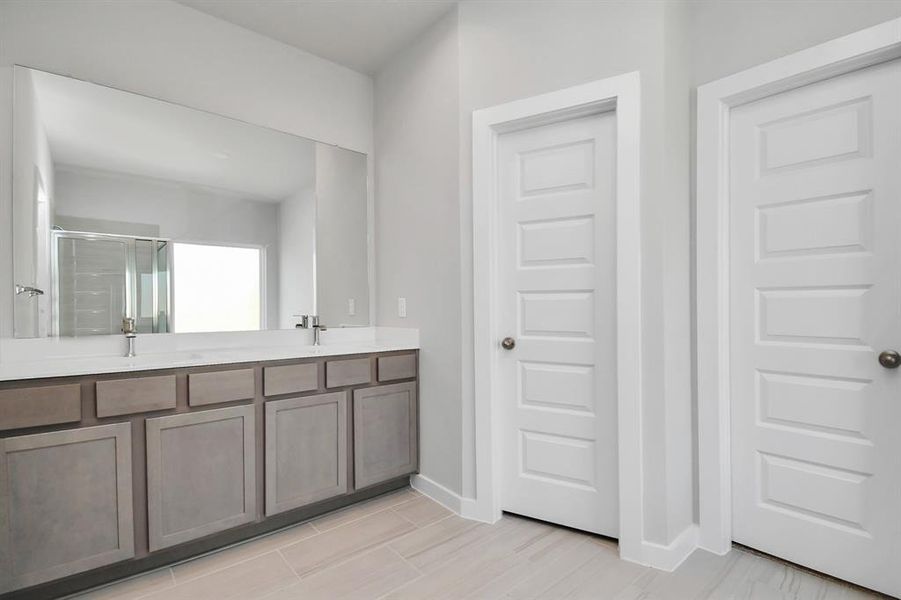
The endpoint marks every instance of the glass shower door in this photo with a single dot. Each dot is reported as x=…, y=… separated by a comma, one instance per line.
x=92, y=285
x=99, y=279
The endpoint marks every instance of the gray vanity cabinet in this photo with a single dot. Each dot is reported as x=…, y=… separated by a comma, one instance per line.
x=65, y=503
x=385, y=433
x=200, y=474
x=70, y=506
x=306, y=450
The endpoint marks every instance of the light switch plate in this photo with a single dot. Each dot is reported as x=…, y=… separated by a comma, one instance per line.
x=351, y=307
x=402, y=308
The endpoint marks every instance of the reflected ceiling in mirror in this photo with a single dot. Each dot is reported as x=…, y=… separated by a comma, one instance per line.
x=186, y=221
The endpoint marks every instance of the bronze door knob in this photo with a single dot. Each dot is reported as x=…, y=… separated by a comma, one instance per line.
x=508, y=343
x=890, y=359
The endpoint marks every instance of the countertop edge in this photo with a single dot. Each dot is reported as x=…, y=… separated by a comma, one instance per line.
x=108, y=365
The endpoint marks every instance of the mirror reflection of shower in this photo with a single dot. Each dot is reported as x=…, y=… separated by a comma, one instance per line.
x=99, y=279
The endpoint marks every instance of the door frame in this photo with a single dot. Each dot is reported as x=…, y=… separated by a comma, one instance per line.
x=715, y=101
x=622, y=94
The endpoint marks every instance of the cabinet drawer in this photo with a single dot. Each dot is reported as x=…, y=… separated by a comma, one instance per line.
x=290, y=379
x=347, y=372
x=401, y=366
x=36, y=406
x=135, y=395
x=220, y=386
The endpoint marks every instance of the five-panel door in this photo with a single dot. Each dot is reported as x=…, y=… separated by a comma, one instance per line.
x=556, y=262
x=815, y=298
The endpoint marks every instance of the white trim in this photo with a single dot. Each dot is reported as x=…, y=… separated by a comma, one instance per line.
x=465, y=507
x=668, y=557
x=623, y=93
x=437, y=492
x=715, y=100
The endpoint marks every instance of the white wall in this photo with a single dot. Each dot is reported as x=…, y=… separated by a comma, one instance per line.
x=166, y=50
x=297, y=239
x=32, y=166
x=183, y=213
x=417, y=224
x=735, y=35
x=342, y=237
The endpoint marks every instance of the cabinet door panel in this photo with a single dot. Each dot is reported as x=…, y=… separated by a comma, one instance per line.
x=306, y=450
x=65, y=503
x=200, y=474
x=385, y=433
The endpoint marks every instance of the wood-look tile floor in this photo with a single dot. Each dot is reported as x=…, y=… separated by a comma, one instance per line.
x=403, y=545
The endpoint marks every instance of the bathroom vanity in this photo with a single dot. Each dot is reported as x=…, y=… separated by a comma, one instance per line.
x=103, y=475
x=222, y=250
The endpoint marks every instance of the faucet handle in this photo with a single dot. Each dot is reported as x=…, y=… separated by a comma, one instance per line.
x=128, y=325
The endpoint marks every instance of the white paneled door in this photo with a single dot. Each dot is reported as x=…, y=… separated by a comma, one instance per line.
x=816, y=305
x=556, y=253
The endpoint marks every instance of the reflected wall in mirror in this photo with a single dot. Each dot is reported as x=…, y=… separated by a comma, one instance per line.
x=127, y=206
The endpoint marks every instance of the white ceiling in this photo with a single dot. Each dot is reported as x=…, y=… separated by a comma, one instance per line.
x=360, y=34
x=96, y=127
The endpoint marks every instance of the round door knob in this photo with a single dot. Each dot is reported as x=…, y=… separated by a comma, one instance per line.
x=509, y=343
x=890, y=359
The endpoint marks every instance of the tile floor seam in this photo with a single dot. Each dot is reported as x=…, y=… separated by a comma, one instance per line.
x=344, y=561
x=400, y=587
x=406, y=562
x=379, y=511
x=288, y=564
x=171, y=579
x=245, y=543
x=224, y=568
x=408, y=520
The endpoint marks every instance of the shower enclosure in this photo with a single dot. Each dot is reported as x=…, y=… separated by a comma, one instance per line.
x=99, y=279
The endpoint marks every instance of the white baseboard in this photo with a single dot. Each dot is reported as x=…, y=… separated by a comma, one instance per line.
x=668, y=557
x=467, y=508
x=437, y=492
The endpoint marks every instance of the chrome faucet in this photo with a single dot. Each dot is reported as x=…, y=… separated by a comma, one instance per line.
x=311, y=322
x=128, y=328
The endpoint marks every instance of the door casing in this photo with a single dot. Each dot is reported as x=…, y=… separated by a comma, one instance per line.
x=715, y=101
x=622, y=94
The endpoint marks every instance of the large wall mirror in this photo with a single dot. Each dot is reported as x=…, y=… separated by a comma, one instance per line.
x=186, y=221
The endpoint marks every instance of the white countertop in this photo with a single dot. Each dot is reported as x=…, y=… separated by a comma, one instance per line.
x=361, y=341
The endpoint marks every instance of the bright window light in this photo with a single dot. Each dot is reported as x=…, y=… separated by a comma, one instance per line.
x=215, y=288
